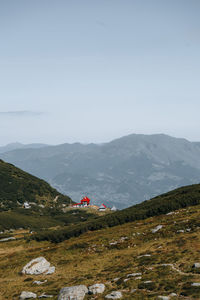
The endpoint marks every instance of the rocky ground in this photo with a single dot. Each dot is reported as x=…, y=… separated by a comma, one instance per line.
x=157, y=258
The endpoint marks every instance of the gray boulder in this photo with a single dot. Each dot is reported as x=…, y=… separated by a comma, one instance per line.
x=97, y=288
x=76, y=292
x=27, y=295
x=38, y=266
x=114, y=295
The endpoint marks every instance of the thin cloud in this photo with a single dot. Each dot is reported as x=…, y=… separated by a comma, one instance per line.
x=20, y=113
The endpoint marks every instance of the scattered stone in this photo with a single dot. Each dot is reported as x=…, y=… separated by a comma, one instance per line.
x=45, y=296
x=157, y=228
x=113, y=243
x=138, y=278
x=116, y=279
x=38, y=266
x=188, y=229
x=145, y=255
x=164, y=297
x=38, y=282
x=73, y=292
x=173, y=295
x=195, y=284
x=170, y=213
x=97, y=288
x=180, y=231
x=125, y=280
x=196, y=265
x=148, y=281
x=114, y=295
x=27, y=295
x=8, y=239
x=133, y=290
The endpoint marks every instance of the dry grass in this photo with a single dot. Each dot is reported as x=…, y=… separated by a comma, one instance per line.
x=90, y=258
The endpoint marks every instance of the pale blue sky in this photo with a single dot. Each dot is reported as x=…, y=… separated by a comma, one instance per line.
x=94, y=70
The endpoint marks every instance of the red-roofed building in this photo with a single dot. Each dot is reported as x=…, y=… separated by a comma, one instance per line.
x=84, y=202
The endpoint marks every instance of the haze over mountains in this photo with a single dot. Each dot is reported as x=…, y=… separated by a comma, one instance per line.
x=123, y=172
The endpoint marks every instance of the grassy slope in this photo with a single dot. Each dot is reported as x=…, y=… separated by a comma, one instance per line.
x=19, y=186
x=179, y=198
x=90, y=258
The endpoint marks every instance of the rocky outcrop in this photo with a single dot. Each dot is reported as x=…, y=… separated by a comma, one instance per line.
x=38, y=266
x=73, y=292
x=114, y=295
x=27, y=295
x=97, y=288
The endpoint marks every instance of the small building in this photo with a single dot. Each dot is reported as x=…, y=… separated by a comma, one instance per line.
x=102, y=207
x=84, y=203
x=113, y=208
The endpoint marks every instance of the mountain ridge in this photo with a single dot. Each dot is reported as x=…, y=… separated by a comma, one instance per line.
x=122, y=172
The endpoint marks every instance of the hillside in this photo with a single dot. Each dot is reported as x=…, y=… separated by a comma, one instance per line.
x=176, y=199
x=133, y=259
x=17, y=187
x=122, y=172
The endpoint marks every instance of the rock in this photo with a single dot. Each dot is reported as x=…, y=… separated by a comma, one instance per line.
x=114, y=295
x=173, y=295
x=97, y=288
x=180, y=231
x=27, y=295
x=116, y=279
x=145, y=255
x=45, y=296
x=195, y=284
x=196, y=265
x=126, y=279
x=50, y=271
x=148, y=281
x=8, y=239
x=156, y=228
x=38, y=266
x=76, y=292
x=133, y=290
x=39, y=282
x=164, y=297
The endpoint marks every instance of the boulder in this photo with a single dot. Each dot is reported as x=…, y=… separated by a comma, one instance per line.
x=38, y=266
x=195, y=284
x=76, y=292
x=164, y=297
x=27, y=295
x=97, y=288
x=114, y=295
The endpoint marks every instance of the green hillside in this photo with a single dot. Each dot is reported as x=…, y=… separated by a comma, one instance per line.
x=179, y=198
x=17, y=186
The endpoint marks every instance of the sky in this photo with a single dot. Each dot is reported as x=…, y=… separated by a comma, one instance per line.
x=94, y=70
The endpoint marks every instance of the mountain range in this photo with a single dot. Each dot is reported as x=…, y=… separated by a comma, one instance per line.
x=122, y=172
